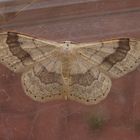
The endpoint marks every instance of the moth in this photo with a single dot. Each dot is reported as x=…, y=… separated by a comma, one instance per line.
x=80, y=72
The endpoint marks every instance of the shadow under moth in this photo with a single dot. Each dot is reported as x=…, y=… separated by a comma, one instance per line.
x=81, y=72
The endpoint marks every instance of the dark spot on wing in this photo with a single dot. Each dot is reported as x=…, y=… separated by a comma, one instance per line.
x=15, y=47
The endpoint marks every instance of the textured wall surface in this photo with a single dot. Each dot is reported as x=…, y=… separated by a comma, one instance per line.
x=79, y=21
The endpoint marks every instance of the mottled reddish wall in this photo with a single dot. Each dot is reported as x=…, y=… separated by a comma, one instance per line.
x=79, y=21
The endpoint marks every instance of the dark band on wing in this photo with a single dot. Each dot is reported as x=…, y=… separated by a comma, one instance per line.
x=119, y=54
x=15, y=47
x=85, y=79
x=47, y=77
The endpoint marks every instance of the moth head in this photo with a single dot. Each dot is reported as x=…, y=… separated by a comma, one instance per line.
x=67, y=43
x=67, y=46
